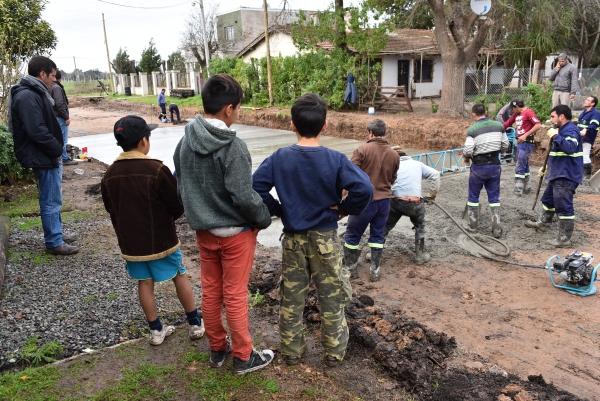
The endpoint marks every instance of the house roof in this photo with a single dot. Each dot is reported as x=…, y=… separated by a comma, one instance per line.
x=284, y=29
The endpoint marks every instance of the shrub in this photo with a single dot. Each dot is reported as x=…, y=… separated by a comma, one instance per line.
x=10, y=168
x=539, y=100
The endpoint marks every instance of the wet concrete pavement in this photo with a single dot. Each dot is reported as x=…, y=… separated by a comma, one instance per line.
x=261, y=143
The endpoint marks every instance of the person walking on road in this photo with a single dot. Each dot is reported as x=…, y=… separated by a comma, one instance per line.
x=61, y=111
x=381, y=164
x=407, y=199
x=565, y=172
x=38, y=144
x=486, y=139
x=588, y=122
x=162, y=103
x=527, y=124
x=564, y=78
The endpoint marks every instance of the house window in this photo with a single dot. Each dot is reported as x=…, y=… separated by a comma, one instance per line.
x=426, y=70
x=229, y=33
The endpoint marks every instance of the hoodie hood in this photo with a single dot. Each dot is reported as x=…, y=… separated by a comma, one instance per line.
x=204, y=138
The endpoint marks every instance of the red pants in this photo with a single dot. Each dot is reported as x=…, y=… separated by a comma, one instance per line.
x=225, y=270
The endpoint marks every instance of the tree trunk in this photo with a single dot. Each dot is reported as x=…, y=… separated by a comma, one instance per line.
x=452, y=86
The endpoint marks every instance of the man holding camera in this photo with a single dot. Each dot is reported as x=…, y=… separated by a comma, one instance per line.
x=565, y=83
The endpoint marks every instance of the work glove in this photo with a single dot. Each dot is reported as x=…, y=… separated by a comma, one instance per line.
x=541, y=172
x=429, y=198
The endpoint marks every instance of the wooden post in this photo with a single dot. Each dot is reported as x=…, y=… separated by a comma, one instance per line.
x=107, y=54
x=269, y=72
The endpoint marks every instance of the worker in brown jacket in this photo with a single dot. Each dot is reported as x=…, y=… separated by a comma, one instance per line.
x=381, y=163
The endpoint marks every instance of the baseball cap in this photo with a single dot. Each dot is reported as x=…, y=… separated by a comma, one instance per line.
x=130, y=129
x=516, y=102
x=562, y=56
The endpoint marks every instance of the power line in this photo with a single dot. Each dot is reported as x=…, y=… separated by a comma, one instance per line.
x=146, y=8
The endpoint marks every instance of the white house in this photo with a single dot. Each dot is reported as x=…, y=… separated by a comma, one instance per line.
x=280, y=44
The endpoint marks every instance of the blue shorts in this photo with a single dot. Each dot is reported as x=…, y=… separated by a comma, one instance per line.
x=158, y=270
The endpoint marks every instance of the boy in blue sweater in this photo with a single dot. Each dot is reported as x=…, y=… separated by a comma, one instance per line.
x=309, y=180
x=565, y=172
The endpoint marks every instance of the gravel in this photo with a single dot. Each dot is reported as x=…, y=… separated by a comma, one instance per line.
x=81, y=301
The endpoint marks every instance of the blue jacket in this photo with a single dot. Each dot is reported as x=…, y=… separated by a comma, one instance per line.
x=566, y=154
x=351, y=92
x=309, y=180
x=589, y=120
x=161, y=99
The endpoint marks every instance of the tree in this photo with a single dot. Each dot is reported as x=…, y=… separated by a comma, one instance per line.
x=150, y=60
x=122, y=64
x=23, y=34
x=460, y=33
x=413, y=14
x=192, y=38
x=586, y=34
x=177, y=61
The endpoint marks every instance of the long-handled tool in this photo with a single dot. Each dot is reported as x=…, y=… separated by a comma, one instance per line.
x=542, y=174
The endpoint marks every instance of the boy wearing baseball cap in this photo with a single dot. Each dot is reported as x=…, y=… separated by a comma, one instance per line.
x=140, y=194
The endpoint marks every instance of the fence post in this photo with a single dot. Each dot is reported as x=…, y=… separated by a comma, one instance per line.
x=192, y=78
x=174, y=74
x=144, y=83
x=155, y=81
x=169, y=79
x=123, y=78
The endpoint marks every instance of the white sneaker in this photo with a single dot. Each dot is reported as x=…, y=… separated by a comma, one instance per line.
x=196, y=332
x=157, y=337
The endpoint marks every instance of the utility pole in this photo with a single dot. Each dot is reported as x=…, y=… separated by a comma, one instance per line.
x=77, y=76
x=112, y=82
x=269, y=72
x=206, y=51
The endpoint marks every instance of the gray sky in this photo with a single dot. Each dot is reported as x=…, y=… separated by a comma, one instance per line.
x=78, y=27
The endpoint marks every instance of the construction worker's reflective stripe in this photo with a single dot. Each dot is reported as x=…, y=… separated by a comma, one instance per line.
x=582, y=125
x=527, y=175
x=374, y=245
x=473, y=204
x=519, y=175
x=595, y=121
x=566, y=217
x=347, y=245
x=578, y=154
x=568, y=138
x=494, y=205
x=546, y=208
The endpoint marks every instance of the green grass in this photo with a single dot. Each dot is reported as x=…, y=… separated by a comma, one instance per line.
x=256, y=299
x=30, y=384
x=219, y=385
x=35, y=257
x=35, y=353
x=26, y=205
x=112, y=296
x=194, y=101
x=196, y=356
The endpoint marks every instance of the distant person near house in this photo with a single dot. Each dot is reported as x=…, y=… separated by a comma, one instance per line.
x=162, y=103
x=61, y=111
x=588, y=122
x=565, y=83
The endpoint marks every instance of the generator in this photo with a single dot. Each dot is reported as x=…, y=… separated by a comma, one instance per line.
x=576, y=271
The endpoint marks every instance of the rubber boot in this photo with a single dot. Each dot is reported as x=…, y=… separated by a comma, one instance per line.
x=375, y=264
x=496, y=227
x=519, y=185
x=587, y=171
x=422, y=256
x=565, y=230
x=472, y=216
x=542, y=223
x=527, y=185
x=351, y=261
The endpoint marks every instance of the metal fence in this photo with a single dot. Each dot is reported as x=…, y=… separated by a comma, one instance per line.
x=182, y=80
x=496, y=83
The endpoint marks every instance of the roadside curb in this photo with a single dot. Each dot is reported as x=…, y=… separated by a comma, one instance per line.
x=4, y=234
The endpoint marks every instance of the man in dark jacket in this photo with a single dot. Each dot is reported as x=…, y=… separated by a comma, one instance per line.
x=61, y=111
x=38, y=144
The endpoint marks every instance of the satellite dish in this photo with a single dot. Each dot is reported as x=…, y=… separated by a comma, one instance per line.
x=481, y=7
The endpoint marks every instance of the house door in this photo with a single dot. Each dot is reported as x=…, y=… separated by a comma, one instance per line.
x=403, y=66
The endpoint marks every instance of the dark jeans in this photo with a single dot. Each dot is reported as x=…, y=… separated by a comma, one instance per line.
x=558, y=197
x=376, y=215
x=174, y=108
x=524, y=150
x=415, y=211
x=163, y=111
x=488, y=176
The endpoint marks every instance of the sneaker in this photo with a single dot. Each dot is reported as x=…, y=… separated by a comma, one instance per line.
x=69, y=162
x=218, y=357
x=196, y=332
x=332, y=361
x=257, y=360
x=64, y=249
x=158, y=336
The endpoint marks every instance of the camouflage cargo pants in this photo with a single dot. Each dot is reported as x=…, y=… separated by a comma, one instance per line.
x=316, y=255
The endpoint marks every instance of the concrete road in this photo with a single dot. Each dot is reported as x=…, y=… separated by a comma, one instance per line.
x=261, y=143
